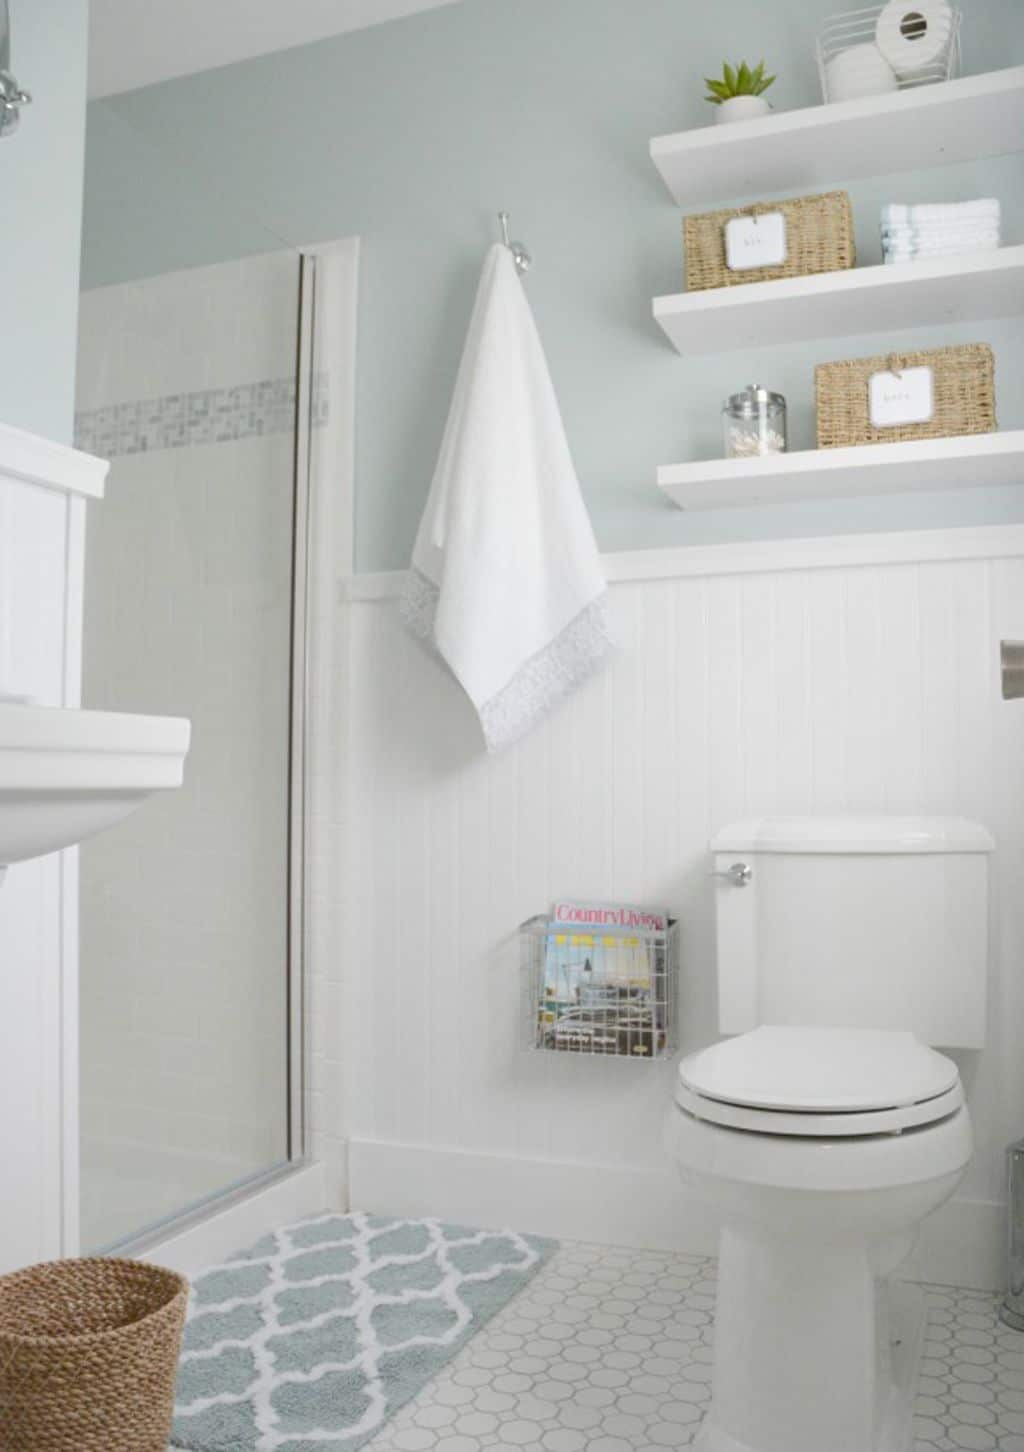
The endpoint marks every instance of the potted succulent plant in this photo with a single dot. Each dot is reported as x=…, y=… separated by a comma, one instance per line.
x=739, y=94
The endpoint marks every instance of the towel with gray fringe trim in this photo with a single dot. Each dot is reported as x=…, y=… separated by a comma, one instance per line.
x=506, y=583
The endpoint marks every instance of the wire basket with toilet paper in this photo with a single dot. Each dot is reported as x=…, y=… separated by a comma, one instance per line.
x=889, y=47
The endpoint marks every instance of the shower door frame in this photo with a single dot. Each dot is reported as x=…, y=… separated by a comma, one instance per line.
x=298, y=814
x=323, y=558
x=186, y=1225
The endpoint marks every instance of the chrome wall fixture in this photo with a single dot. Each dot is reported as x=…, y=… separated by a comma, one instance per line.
x=520, y=256
x=12, y=97
x=1011, y=662
x=740, y=874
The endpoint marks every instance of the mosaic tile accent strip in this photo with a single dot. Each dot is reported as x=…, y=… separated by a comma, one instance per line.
x=320, y=1332
x=611, y=1351
x=207, y=416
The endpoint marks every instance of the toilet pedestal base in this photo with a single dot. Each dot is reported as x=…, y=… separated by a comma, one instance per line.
x=812, y=1351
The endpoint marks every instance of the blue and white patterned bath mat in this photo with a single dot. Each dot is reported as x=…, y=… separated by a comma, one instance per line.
x=315, y=1336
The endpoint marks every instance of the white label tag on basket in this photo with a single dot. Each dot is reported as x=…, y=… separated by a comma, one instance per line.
x=755, y=241
x=907, y=397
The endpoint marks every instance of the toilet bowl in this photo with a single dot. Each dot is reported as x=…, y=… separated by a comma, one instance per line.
x=825, y=1152
x=823, y=1147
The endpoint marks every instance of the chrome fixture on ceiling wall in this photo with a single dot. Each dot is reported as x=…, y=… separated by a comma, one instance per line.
x=12, y=97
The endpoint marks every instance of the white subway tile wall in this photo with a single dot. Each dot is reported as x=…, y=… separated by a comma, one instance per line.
x=207, y=416
x=187, y=611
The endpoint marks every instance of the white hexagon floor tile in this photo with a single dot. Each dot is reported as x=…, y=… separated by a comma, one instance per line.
x=610, y=1351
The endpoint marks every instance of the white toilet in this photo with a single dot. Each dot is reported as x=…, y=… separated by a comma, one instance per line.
x=828, y=1129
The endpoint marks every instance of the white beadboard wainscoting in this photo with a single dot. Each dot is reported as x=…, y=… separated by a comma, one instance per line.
x=839, y=675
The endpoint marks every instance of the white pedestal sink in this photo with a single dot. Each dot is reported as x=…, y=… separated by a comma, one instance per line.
x=65, y=775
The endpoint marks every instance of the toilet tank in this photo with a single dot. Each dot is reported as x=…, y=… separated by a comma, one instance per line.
x=860, y=922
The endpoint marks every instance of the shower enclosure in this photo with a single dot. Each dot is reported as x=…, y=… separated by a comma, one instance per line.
x=195, y=386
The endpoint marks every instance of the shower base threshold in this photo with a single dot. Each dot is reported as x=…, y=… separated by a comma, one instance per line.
x=218, y=1228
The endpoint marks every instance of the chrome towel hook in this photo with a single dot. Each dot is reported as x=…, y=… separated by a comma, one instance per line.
x=520, y=256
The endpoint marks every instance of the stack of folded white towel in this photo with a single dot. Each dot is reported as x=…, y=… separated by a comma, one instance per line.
x=939, y=229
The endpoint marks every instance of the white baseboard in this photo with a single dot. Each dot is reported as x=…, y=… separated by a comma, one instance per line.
x=618, y=1205
x=567, y=1199
x=963, y=1244
x=210, y=1239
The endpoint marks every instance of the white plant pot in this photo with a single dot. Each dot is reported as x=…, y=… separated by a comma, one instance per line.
x=741, y=108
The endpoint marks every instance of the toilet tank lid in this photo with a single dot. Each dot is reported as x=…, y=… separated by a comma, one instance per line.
x=840, y=834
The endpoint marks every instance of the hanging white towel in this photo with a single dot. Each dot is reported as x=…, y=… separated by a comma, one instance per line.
x=506, y=582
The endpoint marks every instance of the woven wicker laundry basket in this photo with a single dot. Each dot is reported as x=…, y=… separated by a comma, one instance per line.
x=819, y=238
x=88, y=1356
x=963, y=389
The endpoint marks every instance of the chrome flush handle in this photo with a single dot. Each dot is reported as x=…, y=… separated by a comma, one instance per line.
x=739, y=874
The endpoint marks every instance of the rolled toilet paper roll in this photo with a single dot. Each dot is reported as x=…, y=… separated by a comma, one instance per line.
x=915, y=35
x=860, y=70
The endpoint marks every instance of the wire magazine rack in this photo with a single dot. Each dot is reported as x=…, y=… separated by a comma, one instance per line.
x=609, y=992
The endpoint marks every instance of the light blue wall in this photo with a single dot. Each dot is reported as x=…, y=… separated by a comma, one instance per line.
x=41, y=190
x=413, y=134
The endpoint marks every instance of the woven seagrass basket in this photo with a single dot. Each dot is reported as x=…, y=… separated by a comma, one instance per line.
x=963, y=389
x=88, y=1356
x=819, y=238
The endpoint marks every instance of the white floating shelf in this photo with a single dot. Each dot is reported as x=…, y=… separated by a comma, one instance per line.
x=972, y=462
x=819, y=146
x=837, y=304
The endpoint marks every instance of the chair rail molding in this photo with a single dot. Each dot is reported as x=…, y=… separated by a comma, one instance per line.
x=756, y=557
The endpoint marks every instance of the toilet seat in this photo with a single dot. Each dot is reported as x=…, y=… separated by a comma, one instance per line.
x=820, y=1082
x=821, y=1126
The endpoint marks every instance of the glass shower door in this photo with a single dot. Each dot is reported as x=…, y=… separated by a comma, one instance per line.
x=187, y=383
